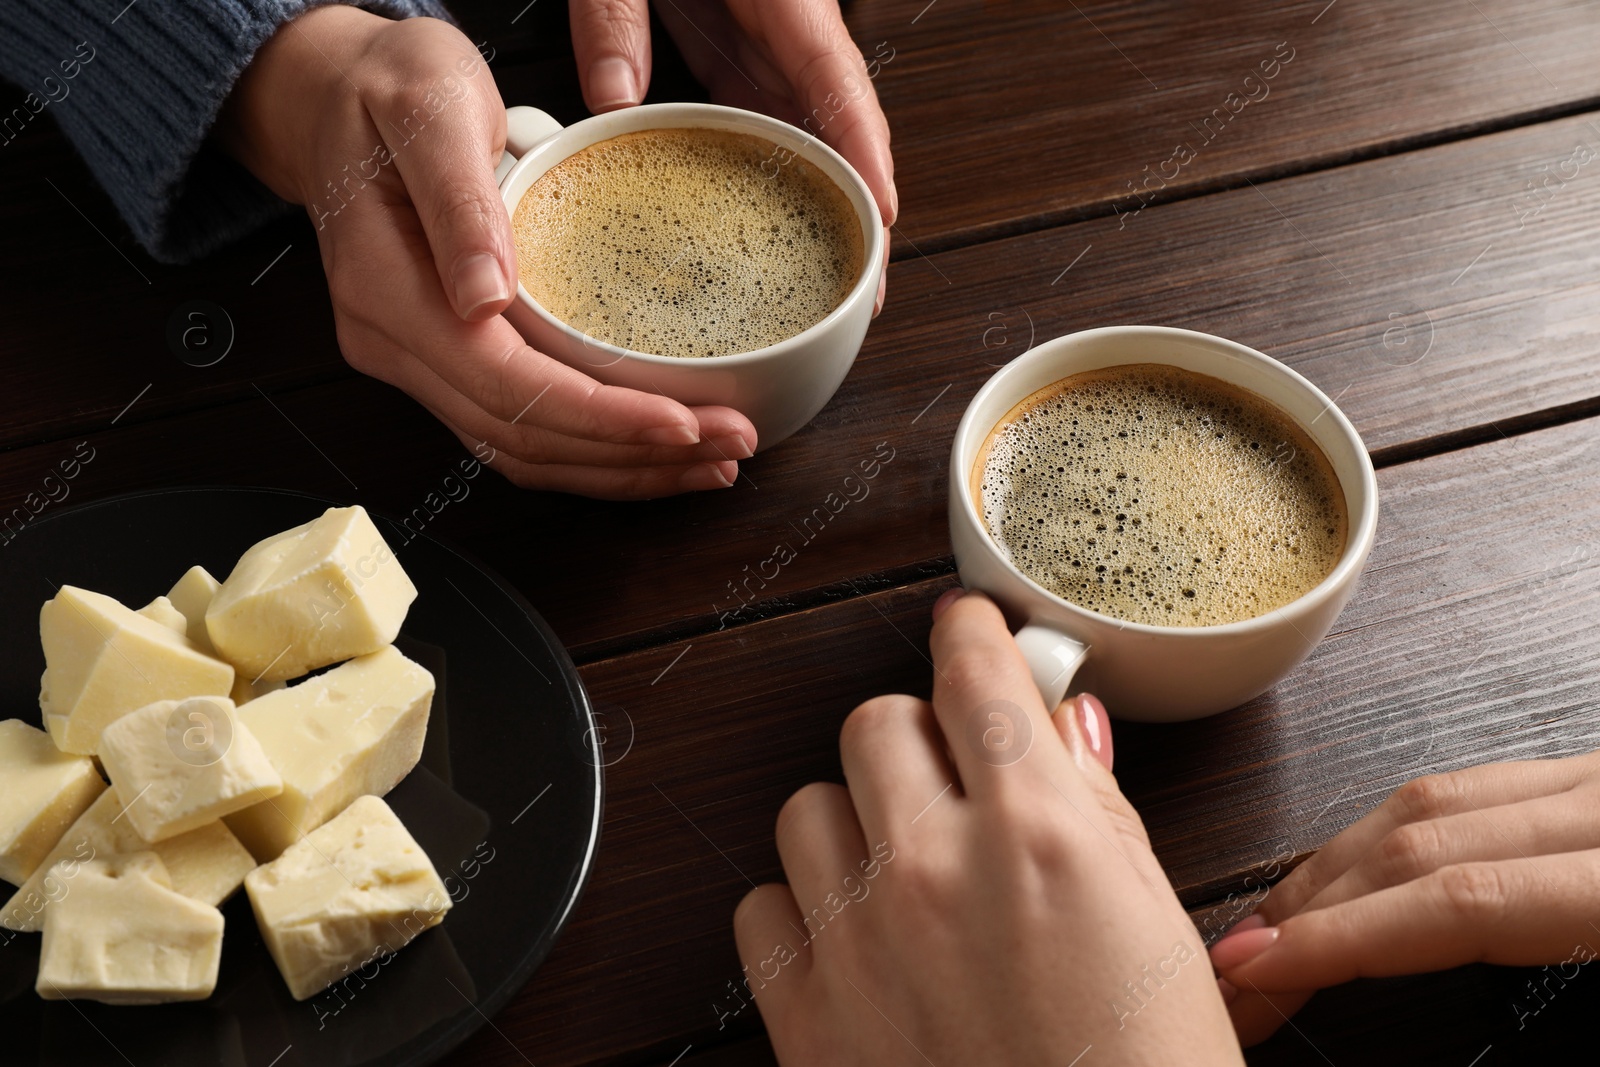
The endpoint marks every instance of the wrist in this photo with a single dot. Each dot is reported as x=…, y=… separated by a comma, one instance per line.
x=277, y=115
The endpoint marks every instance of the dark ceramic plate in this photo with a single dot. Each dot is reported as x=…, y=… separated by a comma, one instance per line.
x=506, y=801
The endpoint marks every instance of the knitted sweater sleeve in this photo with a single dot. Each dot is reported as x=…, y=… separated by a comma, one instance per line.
x=136, y=87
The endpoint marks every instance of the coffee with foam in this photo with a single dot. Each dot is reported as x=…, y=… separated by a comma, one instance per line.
x=1160, y=496
x=687, y=242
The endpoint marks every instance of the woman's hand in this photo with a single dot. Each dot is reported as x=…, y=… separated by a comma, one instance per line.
x=388, y=133
x=792, y=59
x=1494, y=864
x=980, y=893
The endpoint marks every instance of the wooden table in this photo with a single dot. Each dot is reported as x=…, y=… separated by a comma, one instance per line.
x=1397, y=217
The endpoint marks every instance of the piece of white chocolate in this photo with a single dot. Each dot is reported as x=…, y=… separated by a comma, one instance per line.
x=354, y=730
x=320, y=593
x=191, y=595
x=103, y=660
x=42, y=792
x=124, y=936
x=161, y=610
x=179, y=764
x=206, y=864
x=354, y=889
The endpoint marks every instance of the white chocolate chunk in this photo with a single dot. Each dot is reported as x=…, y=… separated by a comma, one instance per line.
x=161, y=610
x=356, y=887
x=244, y=692
x=354, y=730
x=124, y=936
x=42, y=792
x=206, y=864
x=317, y=594
x=103, y=660
x=179, y=764
x=192, y=596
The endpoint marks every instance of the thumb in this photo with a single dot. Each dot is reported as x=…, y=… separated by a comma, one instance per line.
x=445, y=150
x=611, y=41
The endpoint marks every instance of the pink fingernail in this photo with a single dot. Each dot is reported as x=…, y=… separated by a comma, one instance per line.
x=706, y=476
x=1235, y=950
x=479, y=282
x=675, y=434
x=612, y=84
x=1096, y=726
x=735, y=447
x=942, y=605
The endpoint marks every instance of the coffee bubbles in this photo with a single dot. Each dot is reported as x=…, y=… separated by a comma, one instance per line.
x=1159, y=496
x=687, y=242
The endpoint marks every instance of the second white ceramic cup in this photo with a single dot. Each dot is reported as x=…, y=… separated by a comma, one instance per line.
x=779, y=388
x=1158, y=673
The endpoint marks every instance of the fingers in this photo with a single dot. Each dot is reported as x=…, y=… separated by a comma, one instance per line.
x=821, y=844
x=445, y=135
x=766, y=930
x=603, y=483
x=987, y=706
x=611, y=41
x=1423, y=798
x=812, y=48
x=1518, y=912
x=371, y=262
x=527, y=439
x=883, y=277
x=1548, y=825
x=1085, y=729
x=895, y=765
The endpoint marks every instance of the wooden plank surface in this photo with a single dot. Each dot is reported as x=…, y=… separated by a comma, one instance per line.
x=1366, y=283
x=1477, y=1016
x=1069, y=103
x=1053, y=130
x=1475, y=637
x=1008, y=115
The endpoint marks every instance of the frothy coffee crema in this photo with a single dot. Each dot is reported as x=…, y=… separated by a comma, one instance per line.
x=1160, y=496
x=678, y=242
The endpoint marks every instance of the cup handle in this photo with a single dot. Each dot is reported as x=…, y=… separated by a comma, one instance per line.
x=1053, y=658
x=525, y=127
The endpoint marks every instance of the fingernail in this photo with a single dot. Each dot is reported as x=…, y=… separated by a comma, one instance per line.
x=883, y=288
x=942, y=605
x=479, y=281
x=894, y=203
x=706, y=476
x=1245, y=925
x=612, y=84
x=734, y=447
x=1096, y=726
x=1229, y=992
x=1238, y=949
x=672, y=434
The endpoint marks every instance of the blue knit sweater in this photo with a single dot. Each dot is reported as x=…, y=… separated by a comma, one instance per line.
x=136, y=88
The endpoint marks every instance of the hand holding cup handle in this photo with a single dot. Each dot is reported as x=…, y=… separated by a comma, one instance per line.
x=780, y=387
x=1146, y=672
x=525, y=127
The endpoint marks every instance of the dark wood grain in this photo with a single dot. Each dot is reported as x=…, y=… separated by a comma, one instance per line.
x=1477, y=1016
x=1512, y=339
x=1011, y=115
x=1081, y=98
x=1008, y=117
x=1475, y=637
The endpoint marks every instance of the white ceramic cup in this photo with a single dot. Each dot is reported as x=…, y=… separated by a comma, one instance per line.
x=779, y=388
x=1142, y=672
